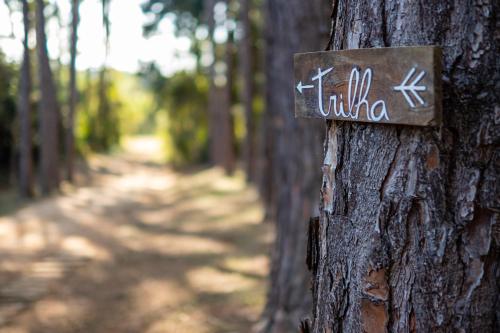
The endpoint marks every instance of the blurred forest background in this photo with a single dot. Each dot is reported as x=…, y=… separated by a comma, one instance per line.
x=222, y=72
x=87, y=88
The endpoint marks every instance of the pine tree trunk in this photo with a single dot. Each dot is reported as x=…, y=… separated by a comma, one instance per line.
x=49, y=110
x=227, y=158
x=24, y=107
x=409, y=235
x=296, y=149
x=247, y=74
x=209, y=19
x=104, y=126
x=214, y=94
x=70, y=131
x=220, y=101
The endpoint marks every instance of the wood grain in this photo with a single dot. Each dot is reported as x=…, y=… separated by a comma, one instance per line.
x=389, y=68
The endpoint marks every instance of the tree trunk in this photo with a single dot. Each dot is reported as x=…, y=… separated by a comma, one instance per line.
x=70, y=131
x=49, y=111
x=103, y=126
x=219, y=99
x=58, y=66
x=247, y=74
x=227, y=158
x=408, y=239
x=296, y=149
x=24, y=107
x=212, y=89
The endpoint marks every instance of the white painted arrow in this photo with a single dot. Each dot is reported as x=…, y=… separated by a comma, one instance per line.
x=404, y=88
x=300, y=87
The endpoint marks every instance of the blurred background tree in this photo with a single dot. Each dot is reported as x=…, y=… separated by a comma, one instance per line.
x=217, y=112
x=7, y=120
x=99, y=106
x=293, y=157
x=25, y=176
x=49, y=112
x=72, y=92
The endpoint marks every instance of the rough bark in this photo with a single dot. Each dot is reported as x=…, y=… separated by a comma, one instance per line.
x=73, y=94
x=48, y=109
x=24, y=108
x=295, y=157
x=408, y=238
x=246, y=65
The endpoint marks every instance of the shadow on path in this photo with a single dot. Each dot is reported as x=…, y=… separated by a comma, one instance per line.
x=142, y=249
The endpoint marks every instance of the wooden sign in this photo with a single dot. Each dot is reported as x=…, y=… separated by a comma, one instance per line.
x=399, y=85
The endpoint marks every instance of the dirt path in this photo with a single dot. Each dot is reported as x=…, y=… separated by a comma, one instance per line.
x=143, y=249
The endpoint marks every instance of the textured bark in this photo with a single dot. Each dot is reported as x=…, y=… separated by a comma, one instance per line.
x=245, y=53
x=295, y=156
x=24, y=107
x=70, y=130
x=408, y=239
x=49, y=110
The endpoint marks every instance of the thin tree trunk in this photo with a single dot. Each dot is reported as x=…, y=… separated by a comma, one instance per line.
x=58, y=68
x=73, y=93
x=212, y=96
x=408, y=239
x=267, y=147
x=226, y=125
x=219, y=101
x=296, y=153
x=102, y=125
x=49, y=112
x=247, y=74
x=24, y=107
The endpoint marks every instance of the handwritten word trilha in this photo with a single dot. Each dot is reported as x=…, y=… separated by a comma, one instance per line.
x=357, y=97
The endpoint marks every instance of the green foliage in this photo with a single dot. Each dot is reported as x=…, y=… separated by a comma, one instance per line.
x=124, y=107
x=98, y=126
x=181, y=104
x=188, y=14
x=187, y=124
x=106, y=129
x=137, y=112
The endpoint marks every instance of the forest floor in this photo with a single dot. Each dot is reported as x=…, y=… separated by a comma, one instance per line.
x=136, y=247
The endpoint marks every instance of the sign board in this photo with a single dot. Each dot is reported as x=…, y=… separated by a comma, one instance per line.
x=400, y=85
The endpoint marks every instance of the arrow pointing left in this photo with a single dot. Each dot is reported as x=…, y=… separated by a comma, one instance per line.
x=300, y=87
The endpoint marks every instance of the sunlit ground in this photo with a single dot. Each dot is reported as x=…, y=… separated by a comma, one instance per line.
x=141, y=249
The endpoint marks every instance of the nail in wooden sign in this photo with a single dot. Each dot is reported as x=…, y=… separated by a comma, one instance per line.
x=400, y=85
